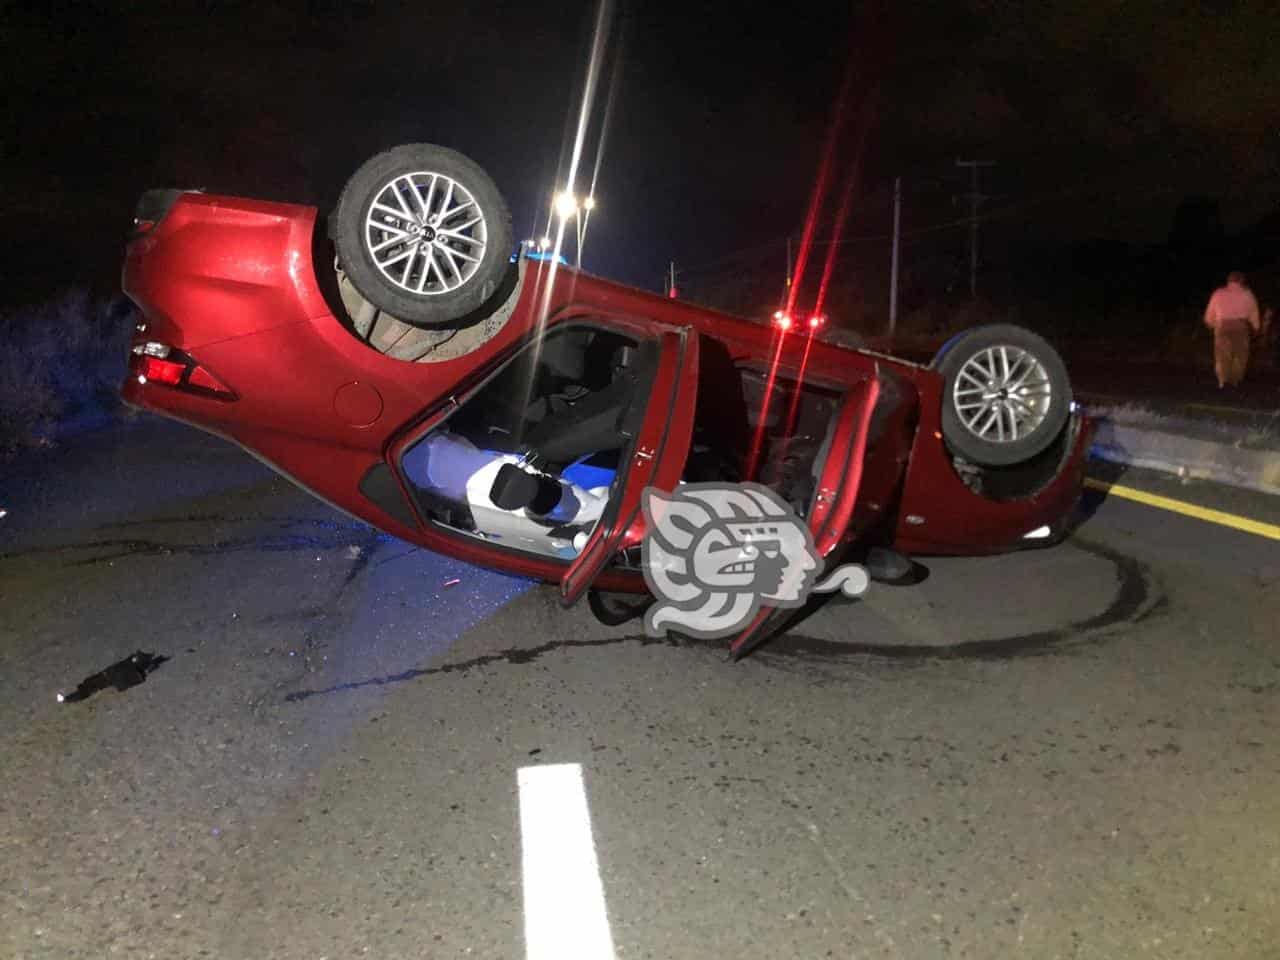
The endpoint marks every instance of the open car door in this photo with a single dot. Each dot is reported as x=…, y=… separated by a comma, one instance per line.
x=832, y=509
x=660, y=428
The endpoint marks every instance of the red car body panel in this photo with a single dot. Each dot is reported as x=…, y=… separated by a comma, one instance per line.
x=231, y=283
x=941, y=515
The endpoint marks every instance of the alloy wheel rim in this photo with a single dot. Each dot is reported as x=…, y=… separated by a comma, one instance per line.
x=1002, y=394
x=425, y=232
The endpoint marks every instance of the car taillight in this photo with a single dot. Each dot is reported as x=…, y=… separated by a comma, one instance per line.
x=161, y=371
x=204, y=380
x=159, y=363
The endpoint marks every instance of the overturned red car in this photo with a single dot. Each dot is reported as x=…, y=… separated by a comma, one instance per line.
x=404, y=367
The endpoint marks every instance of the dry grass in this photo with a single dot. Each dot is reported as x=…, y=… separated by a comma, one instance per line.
x=60, y=358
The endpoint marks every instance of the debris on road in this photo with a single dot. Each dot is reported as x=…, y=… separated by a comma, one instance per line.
x=122, y=675
x=353, y=552
x=453, y=582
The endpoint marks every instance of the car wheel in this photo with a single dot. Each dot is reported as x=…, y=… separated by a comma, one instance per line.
x=615, y=609
x=1007, y=395
x=423, y=234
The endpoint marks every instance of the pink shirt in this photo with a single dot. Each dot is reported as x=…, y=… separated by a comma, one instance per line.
x=1232, y=302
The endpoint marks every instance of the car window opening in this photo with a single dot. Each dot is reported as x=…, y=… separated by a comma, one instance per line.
x=797, y=426
x=529, y=461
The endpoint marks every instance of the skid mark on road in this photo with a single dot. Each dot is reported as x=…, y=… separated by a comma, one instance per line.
x=1138, y=595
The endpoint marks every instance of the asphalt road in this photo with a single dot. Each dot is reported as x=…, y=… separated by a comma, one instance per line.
x=1061, y=753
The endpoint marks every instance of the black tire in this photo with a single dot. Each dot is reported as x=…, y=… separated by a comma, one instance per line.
x=985, y=450
x=354, y=236
x=615, y=609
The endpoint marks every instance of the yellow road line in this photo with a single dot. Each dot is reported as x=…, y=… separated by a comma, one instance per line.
x=1257, y=527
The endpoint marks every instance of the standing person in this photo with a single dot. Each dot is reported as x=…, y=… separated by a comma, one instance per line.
x=1232, y=314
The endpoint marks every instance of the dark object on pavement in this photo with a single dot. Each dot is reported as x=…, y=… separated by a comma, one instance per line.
x=129, y=672
x=888, y=566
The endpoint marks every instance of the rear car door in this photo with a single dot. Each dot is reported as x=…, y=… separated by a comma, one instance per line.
x=660, y=426
x=832, y=509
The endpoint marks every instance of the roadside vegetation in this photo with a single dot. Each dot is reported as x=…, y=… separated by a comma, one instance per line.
x=1177, y=338
x=62, y=360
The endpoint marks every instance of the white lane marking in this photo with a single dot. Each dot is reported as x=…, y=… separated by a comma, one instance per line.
x=564, y=909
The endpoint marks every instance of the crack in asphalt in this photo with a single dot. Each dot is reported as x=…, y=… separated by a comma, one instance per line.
x=513, y=655
x=1137, y=598
x=187, y=518
x=337, y=536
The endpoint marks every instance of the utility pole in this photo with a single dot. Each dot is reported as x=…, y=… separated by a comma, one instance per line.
x=893, y=263
x=975, y=198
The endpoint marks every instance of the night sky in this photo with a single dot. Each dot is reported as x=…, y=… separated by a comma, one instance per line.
x=1102, y=119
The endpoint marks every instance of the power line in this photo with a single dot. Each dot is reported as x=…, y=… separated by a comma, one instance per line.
x=975, y=199
x=1023, y=206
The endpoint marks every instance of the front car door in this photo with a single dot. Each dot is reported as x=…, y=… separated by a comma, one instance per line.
x=662, y=428
x=832, y=508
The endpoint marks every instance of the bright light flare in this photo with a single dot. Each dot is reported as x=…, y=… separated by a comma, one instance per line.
x=817, y=320
x=604, y=11
x=783, y=320
x=757, y=439
x=566, y=204
x=793, y=411
x=820, y=186
x=544, y=243
x=589, y=203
